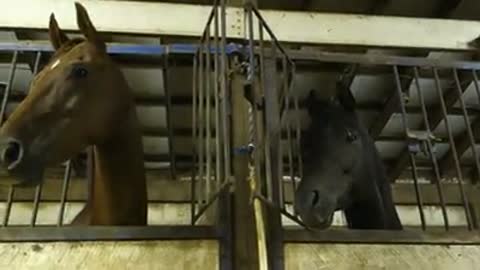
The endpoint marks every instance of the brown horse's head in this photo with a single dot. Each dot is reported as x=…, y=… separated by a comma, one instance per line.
x=75, y=101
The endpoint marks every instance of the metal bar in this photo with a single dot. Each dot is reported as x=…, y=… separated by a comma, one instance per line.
x=432, y=157
x=210, y=201
x=381, y=237
x=38, y=189
x=270, y=32
x=171, y=137
x=225, y=95
x=194, y=138
x=378, y=59
x=289, y=129
x=107, y=233
x=63, y=198
x=208, y=95
x=273, y=130
x=8, y=209
x=298, y=136
x=6, y=95
x=265, y=135
x=201, y=121
x=477, y=90
x=452, y=146
x=218, y=159
x=418, y=193
x=472, y=145
x=8, y=88
x=468, y=124
x=282, y=211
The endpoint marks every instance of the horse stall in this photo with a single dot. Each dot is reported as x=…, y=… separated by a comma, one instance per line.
x=223, y=115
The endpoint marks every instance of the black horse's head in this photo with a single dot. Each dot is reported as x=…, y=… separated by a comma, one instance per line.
x=342, y=169
x=332, y=157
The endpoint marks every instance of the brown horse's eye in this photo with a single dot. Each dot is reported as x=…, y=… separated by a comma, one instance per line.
x=79, y=72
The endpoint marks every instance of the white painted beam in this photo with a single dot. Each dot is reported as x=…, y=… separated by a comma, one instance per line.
x=299, y=27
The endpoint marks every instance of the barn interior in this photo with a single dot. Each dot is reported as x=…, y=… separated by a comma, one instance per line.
x=163, y=92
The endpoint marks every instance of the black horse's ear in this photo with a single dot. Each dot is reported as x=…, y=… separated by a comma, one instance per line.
x=345, y=97
x=310, y=102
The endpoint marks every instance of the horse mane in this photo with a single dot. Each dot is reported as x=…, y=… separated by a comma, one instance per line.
x=66, y=47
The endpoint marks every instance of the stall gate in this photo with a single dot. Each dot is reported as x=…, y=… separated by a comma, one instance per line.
x=427, y=137
x=188, y=221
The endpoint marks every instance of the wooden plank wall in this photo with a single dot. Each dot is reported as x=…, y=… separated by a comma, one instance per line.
x=376, y=257
x=159, y=255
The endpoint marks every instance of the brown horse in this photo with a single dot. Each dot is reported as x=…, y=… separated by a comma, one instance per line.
x=81, y=98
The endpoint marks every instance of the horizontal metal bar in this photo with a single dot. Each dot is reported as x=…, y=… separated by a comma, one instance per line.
x=378, y=59
x=382, y=237
x=107, y=233
x=118, y=48
x=295, y=55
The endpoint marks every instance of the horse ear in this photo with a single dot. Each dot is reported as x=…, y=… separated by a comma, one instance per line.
x=86, y=27
x=345, y=97
x=56, y=35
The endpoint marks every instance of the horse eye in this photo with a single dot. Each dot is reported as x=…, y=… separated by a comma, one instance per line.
x=79, y=72
x=351, y=136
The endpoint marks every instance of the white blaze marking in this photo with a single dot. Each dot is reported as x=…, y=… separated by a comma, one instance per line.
x=55, y=64
x=71, y=102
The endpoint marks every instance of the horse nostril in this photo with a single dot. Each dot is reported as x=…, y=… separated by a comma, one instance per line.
x=316, y=198
x=12, y=154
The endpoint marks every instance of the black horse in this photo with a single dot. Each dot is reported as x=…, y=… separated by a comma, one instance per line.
x=342, y=169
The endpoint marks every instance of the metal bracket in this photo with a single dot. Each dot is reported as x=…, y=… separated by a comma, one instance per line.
x=244, y=149
x=417, y=142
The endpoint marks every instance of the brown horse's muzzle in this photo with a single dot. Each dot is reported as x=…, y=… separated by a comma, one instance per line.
x=16, y=168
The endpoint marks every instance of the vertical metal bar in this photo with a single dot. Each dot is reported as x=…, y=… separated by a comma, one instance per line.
x=38, y=189
x=6, y=217
x=194, y=139
x=8, y=88
x=468, y=125
x=298, y=137
x=225, y=94
x=171, y=137
x=453, y=147
x=208, y=94
x=254, y=121
x=201, y=122
x=266, y=140
x=6, y=95
x=477, y=89
x=289, y=126
x=418, y=193
x=63, y=199
x=472, y=145
x=218, y=159
x=433, y=158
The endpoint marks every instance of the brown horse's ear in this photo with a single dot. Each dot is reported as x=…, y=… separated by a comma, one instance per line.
x=57, y=36
x=87, y=28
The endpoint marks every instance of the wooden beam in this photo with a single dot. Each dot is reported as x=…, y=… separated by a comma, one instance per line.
x=162, y=19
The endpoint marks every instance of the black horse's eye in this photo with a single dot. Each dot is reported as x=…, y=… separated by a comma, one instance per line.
x=351, y=136
x=79, y=72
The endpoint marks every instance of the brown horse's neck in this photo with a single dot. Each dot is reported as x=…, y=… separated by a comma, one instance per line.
x=119, y=195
